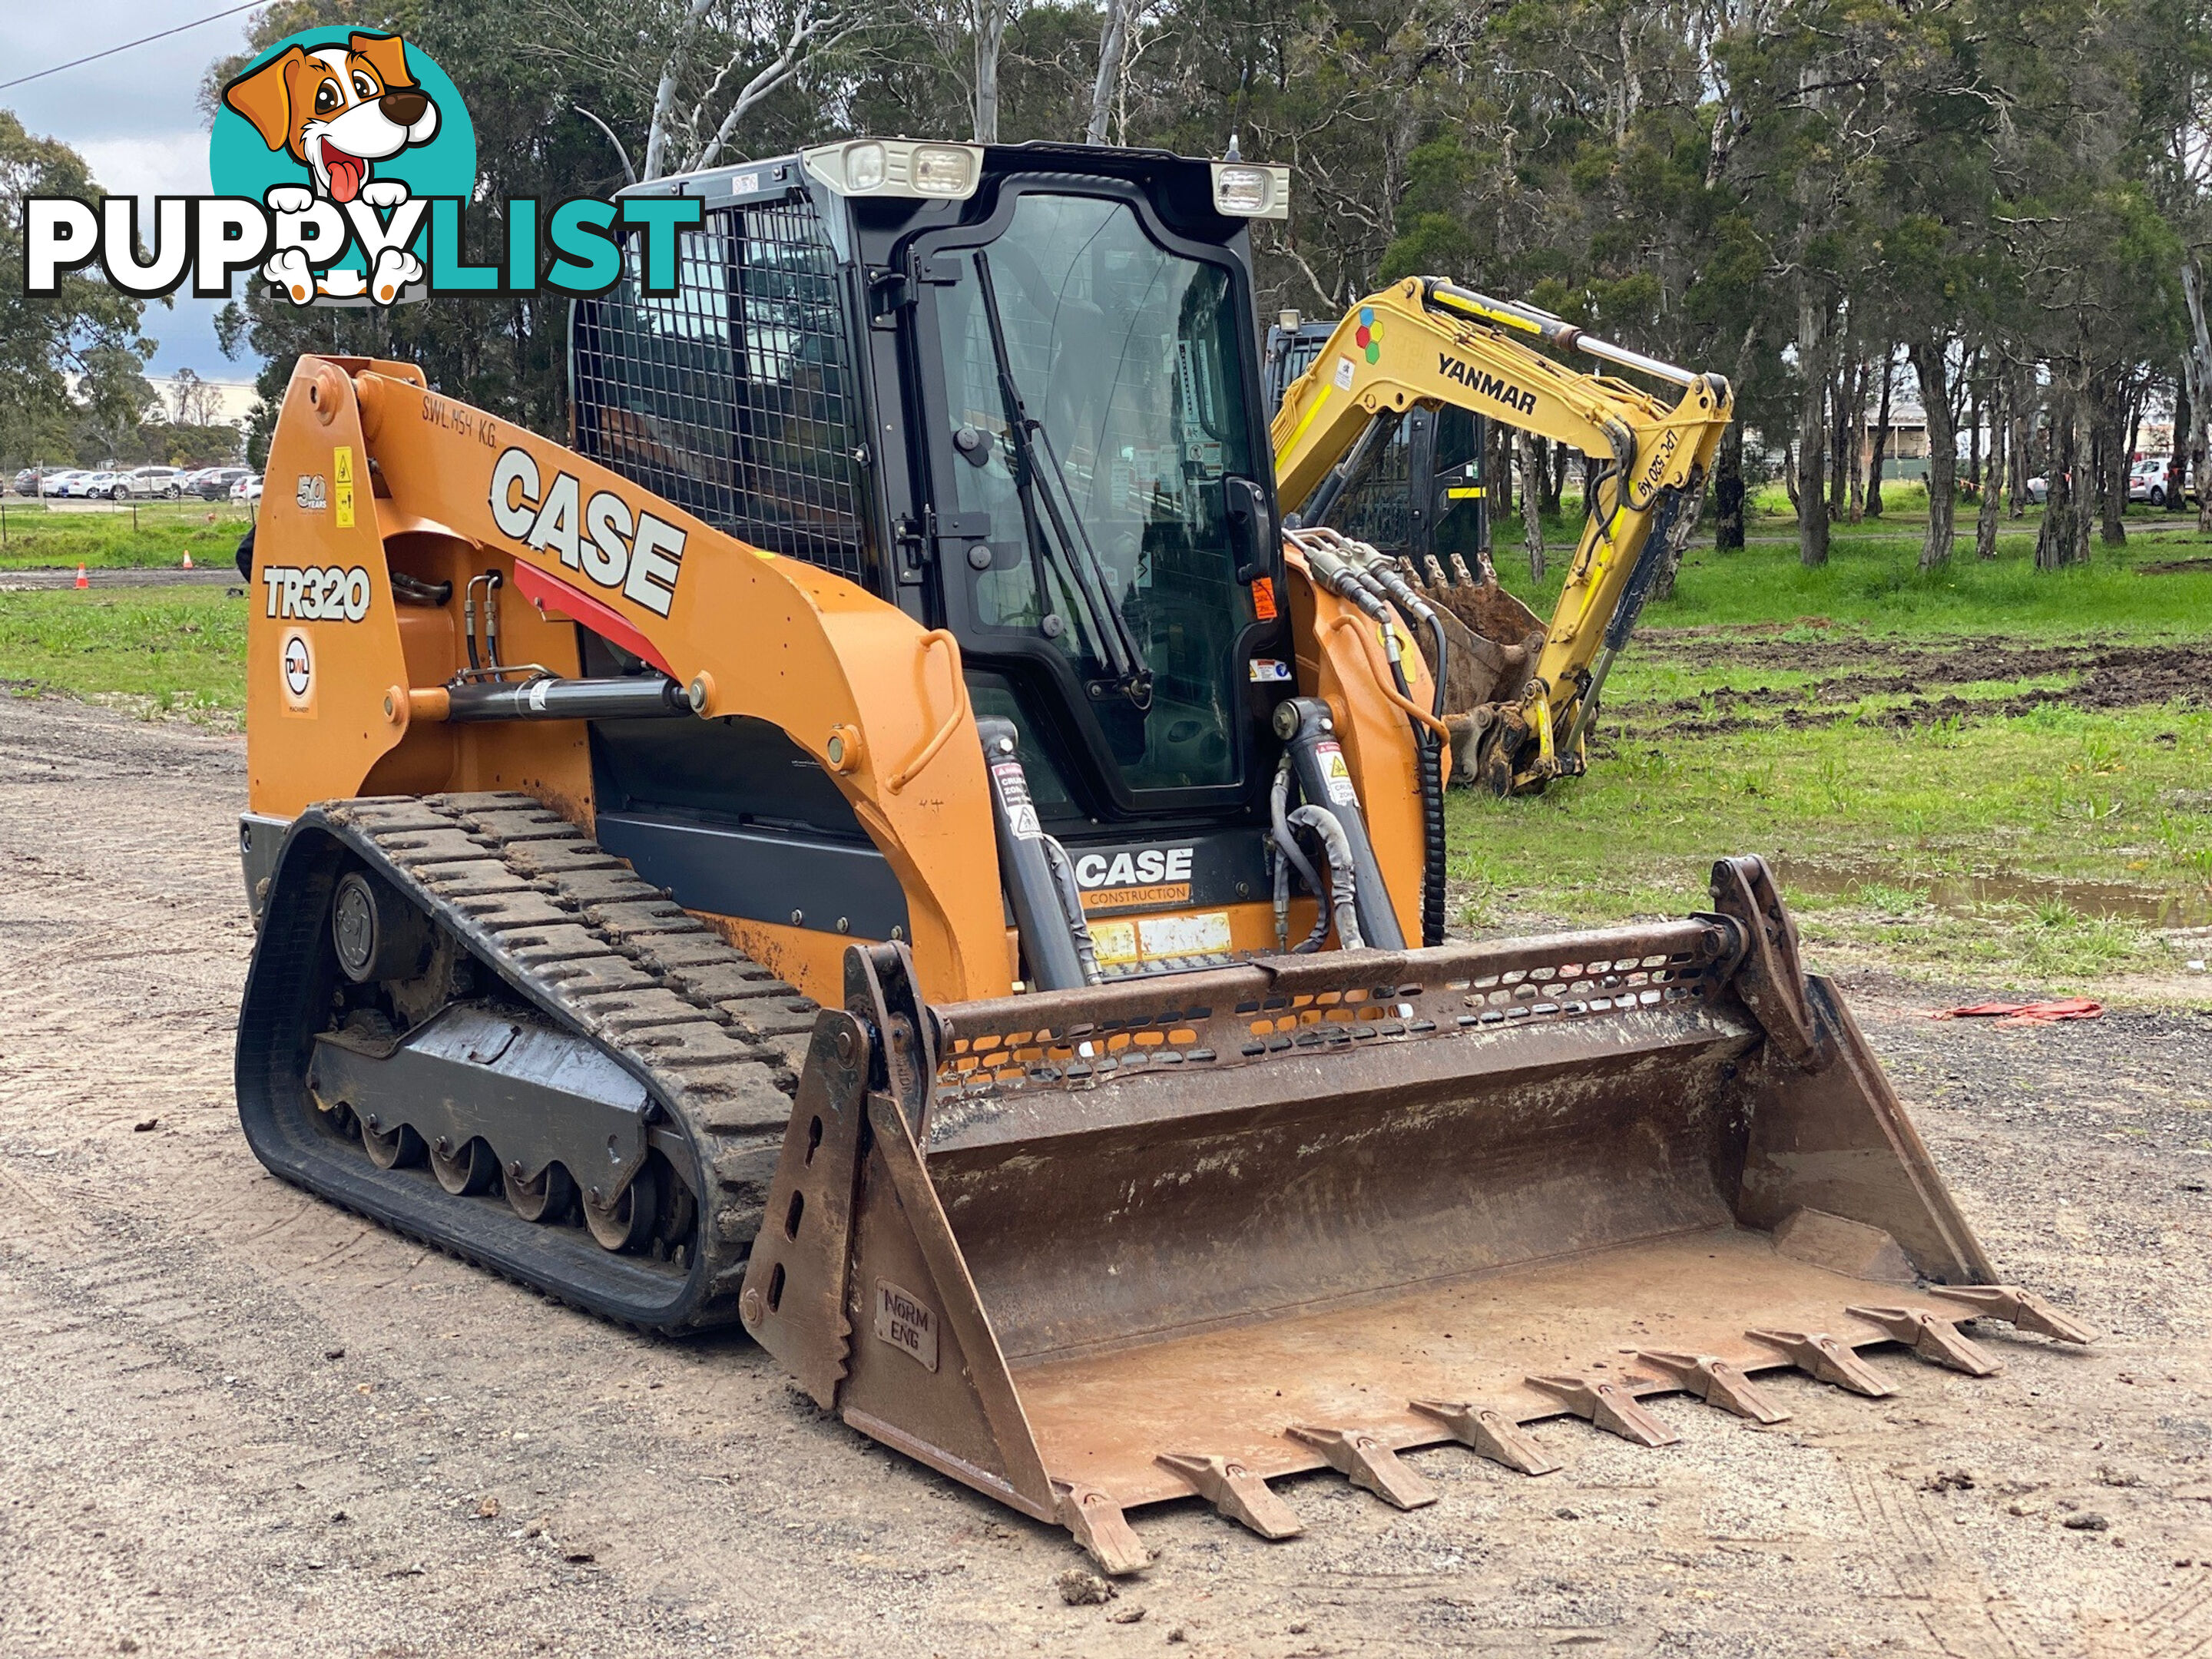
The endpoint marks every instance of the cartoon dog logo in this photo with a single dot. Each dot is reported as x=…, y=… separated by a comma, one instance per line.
x=338, y=110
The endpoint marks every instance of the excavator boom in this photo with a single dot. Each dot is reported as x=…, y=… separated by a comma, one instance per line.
x=1526, y=692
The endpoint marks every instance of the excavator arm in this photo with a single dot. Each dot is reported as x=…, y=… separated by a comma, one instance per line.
x=1427, y=341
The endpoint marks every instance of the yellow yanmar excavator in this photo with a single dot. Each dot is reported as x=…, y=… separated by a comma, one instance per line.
x=883, y=840
x=1519, y=695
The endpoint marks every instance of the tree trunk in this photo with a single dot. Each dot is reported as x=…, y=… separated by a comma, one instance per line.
x=2176, y=454
x=1855, y=442
x=1974, y=442
x=2054, y=540
x=2199, y=364
x=2023, y=415
x=2200, y=438
x=2114, y=453
x=1879, y=456
x=1727, y=490
x=1500, y=441
x=990, y=17
x=1992, y=504
x=1932, y=365
x=2085, y=438
x=1113, y=48
x=1840, y=452
x=1813, y=316
x=1555, y=490
x=1532, y=506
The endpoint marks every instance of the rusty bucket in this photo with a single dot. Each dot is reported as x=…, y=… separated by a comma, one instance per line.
x=1176, y=1236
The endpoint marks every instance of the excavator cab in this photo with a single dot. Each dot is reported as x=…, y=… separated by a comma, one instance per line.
x=1426, y=494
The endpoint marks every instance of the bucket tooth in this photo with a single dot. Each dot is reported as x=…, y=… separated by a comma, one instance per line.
x=1609, y=1405
x=1821, y=1357
x=1367, y=1463
x=1715, y=1382
x=1494, y=1435
x=2024, y=1309
x=1933, y=1339
x=1100, y=1527
x=1236, y=1492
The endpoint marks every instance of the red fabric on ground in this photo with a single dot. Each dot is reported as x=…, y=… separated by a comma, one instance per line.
x=2047, y=1012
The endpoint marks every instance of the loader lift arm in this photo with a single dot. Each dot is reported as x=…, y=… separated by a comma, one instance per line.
x=1426, y=342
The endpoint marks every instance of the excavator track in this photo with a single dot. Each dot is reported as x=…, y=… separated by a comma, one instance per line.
x=564, y=934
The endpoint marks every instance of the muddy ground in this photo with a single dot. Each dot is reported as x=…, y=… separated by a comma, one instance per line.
x=235, y=1420
x=2101, y=678
x=217, y=573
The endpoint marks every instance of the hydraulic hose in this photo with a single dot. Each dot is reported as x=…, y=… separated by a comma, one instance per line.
x=1292, y=857
x=1428, y=747
x=1343, y=884
x=1355, y=571
x=1071, y=901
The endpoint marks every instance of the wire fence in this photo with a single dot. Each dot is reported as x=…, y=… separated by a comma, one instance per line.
x=17, y=516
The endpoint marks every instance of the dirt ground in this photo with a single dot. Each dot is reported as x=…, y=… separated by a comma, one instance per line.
x=235, y=1420
x=215, y=573
x=2103, y=677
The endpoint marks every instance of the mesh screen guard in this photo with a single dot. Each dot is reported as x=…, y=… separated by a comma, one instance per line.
x=735, y=396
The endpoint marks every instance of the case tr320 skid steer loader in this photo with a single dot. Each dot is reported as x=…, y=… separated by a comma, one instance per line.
x=884, y=840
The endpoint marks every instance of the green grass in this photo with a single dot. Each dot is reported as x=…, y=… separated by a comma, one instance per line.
x=110, y=538
x=156, y=650
x=1998, y=817
x=2047, y=799
x=1872, y=581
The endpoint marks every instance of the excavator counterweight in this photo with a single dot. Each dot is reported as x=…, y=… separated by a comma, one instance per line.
x=886, y=841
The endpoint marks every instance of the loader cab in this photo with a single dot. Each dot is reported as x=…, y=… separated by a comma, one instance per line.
x=1015, y=391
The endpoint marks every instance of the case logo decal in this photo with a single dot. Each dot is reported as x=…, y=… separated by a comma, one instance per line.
x=634, y=554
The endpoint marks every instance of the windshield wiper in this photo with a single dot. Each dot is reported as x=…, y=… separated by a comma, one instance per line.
x=1034, y=484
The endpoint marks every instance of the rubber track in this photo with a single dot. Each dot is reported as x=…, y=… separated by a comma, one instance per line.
x=718, y=1037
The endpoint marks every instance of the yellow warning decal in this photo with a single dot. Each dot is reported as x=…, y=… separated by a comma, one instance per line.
x=342, y=486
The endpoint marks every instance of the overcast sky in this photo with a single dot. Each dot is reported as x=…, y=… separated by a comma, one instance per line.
x=135, y=117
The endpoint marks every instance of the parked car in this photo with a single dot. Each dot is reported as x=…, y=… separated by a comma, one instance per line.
x=214, y=483
x=248, y=489
x=151, y=480
x=2146, y=480
x=62, y=484
x=102, y=486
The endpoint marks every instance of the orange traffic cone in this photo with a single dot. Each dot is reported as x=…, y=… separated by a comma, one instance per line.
x=188, y=562
x=82, y=581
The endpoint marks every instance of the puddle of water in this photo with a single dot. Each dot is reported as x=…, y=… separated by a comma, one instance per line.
x=1961, y=895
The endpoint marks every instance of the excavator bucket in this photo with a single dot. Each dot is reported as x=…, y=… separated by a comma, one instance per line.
x=1180, y=1236
x=1495, y=641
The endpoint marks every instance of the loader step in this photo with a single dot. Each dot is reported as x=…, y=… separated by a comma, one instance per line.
x=582, y=952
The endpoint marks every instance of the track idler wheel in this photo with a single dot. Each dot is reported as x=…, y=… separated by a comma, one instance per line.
x=377, y=933
x=469, y=1170
x=629, y=1222
x=398, y=1148
x=549, y=1197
